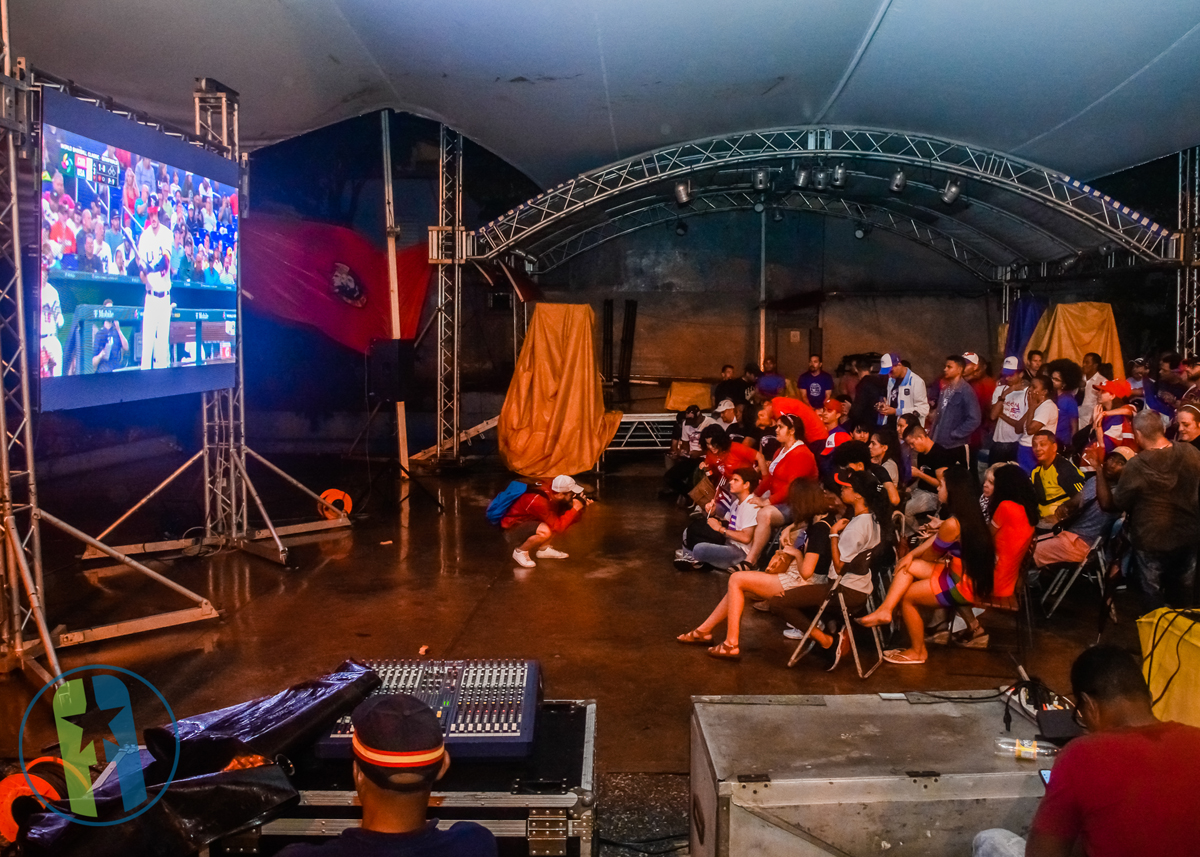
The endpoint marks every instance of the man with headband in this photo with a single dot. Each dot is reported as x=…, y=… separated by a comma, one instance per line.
x=398, y=755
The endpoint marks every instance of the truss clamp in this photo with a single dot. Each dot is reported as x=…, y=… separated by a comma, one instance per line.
x=450, y=246
x=15, y=106
x=1187, y=247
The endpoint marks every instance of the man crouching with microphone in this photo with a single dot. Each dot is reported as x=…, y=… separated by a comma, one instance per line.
x=398, y=755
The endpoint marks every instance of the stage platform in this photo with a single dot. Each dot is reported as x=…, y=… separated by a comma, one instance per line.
x=602, y=623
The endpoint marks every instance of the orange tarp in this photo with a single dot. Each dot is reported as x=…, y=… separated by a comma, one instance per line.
x=1072, y=330
x=553, y=419
x=684, y=393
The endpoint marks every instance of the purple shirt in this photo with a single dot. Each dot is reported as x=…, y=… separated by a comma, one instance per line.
x=815, y=387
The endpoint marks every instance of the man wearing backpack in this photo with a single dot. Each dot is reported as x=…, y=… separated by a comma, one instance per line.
x=538, y=515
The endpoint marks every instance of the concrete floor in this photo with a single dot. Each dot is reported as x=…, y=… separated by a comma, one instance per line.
x=601, y=623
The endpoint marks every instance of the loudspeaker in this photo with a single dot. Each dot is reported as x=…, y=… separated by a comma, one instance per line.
x=390, y=369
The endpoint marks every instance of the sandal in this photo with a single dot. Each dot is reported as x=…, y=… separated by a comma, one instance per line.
x=720, y=650
x=900, y=656
x=694, y=638
x=744, y=565
x=966, y=640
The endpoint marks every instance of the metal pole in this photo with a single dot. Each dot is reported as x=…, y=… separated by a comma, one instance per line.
x=762, y=288
x=162, y=485
x=393, y=279
x=341, y=513
x=261, y=509
x=17, y=556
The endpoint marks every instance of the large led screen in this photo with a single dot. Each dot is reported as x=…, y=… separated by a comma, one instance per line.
x=136, y=293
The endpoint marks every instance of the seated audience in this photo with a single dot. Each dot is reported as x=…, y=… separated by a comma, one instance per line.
x=931, y=461
x=686, y=452
x=1083, y=518
x=721, y=459
x=885, y=451
x=856, y=455
x=1127, y=787
x=1055, y=479
x=723, y=541
x=1112, y=417
x=810, y=504
x=725, y=414
x=833, y=418
x=1187, y=425
x=737, y=390
x=1158, y=489
x=792, y=461
x=815, y=430
x=842, y=548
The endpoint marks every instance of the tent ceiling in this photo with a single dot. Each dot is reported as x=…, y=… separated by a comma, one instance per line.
x=560, y=88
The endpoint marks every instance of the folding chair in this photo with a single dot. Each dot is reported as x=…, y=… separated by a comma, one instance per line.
x=835, y=591
x=1019, y=605
x=1066, y=576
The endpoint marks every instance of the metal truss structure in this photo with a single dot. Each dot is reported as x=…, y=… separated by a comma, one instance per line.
x=655, y=213
x=1096, y=213
x=1187, y=284
x=447, y=250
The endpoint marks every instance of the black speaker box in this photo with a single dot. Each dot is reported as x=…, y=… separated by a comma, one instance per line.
x=390, y=369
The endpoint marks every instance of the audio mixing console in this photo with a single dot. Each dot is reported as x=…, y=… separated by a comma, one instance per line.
x=486, y=707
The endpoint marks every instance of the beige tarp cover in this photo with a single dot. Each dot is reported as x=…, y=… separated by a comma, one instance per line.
x=553, y=419
x=1072, y=330
x=684, y=393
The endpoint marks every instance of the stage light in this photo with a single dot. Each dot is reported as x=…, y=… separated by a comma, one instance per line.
x=777, y=216
x=899, y=181
x=759, y=208
x=680, y=228
x=839, y=175
x=821, y=179
x=760, y=178
x=803, y=176
x=683, y=192
x=860, y=231
x=952, y=191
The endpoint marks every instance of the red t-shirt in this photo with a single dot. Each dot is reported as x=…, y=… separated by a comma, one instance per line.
x=814, y=429
x=739, y=456
x=534, y=506
x=797, y=463
x=1127, y=792
x=1012, y=541
x=984, y=387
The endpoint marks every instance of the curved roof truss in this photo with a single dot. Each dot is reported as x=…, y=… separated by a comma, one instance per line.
x=1058, y=212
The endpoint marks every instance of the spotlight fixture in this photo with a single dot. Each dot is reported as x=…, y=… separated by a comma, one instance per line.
x=759, y=208
x=899, y=181
x=803, y=177
x=777, y=216
x=683, y=192
x=839, y=175
x=861, y=231
x=680, y=228
x=821, y=179
x=952, y=191
x=760, y=179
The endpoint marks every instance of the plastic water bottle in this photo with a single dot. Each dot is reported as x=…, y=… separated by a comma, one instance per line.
x=1022, y=748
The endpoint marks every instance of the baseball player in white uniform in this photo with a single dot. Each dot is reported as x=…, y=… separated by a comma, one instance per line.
x=154, y=260
x=50, y=356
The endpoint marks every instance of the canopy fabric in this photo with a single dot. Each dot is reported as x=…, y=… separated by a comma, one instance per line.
x=1072, y=330
x=560, y=88
x=553, y=419
x=1027, y=312
x=330, y=278
x=685, y=393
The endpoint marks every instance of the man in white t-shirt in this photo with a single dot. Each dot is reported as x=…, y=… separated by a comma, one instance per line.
x=50, y=353
x=154, y=262
x=1092, y=378
x=1041, y=414
x=738, y=530
x=1008, y=406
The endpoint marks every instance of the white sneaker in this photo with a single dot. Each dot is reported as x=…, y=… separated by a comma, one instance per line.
x=550, y=553
x=793, y=633
x=522, y=558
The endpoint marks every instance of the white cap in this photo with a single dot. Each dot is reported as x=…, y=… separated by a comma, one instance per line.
x=885, y=362
x=972, y=358
x=565, y=484
x=724, y=405
x=1010, y=364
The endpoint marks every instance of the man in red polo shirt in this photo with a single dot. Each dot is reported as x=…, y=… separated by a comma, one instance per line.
x=1128, y=788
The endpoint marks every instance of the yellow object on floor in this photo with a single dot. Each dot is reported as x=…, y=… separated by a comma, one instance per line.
x=1072, y=330
x=553, y=419
x=684, y=393
x=1171, y=653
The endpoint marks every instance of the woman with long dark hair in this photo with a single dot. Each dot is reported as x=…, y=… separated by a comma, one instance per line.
x=962, y=549
x=809, y=505
x=885, y=451
x=1013, y=512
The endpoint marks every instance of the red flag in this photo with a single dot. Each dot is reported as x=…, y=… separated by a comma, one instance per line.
x=330, y=278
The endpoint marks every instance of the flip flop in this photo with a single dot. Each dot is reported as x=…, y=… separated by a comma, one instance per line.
x=897, y=656
x=726, y=652
x=694, y=639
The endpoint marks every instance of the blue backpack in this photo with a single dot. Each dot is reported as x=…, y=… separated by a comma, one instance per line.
x=502, y=502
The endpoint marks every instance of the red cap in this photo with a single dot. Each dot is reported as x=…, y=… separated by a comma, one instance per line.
x=833, y=441
x=1119, y=389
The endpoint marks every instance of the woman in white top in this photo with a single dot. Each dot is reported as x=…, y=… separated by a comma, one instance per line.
x=1042, y=413
x=809, y=504
x=851, y=543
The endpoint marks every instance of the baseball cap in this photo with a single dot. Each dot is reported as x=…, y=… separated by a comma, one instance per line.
x=1010, y=365
x=398, y=742
x=971, y=357
x=563, y=484
x=1120, y=389
x=888, y=361
x=153, y=206
x=1124, y=451
x=724, y=405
